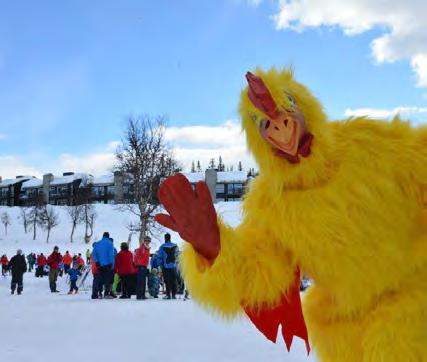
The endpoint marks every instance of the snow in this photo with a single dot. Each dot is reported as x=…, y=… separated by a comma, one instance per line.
x=39, y=324
x=61, y=180
x=33, y=182
x=13, y=181
x=194, y=177
x=103, y=180
x=232, y=176
x=222, y=176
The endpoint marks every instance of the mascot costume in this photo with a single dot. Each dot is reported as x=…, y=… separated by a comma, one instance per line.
x=342, y=202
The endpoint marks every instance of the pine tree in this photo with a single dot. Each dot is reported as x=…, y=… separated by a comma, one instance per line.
x=240, y=167
x=199, y=168
x=193, y=167
x=212, y=163
x=221, y=166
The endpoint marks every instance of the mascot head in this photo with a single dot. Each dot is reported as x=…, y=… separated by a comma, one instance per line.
x=284, y=125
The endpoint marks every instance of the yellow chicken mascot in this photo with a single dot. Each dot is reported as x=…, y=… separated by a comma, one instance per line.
x=343, y=202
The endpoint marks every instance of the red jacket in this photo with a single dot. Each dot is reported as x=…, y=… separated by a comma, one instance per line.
x=94, y=268
x=142, y=256
x=41, y=260
x=67, y=259
x=80, y=261
x=124, y=263
x=53, y=260
x=4, y=260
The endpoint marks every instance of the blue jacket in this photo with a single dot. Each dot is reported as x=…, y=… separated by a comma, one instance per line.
x=168, y=253
x=155, y=261
x=103, y=252
x=74, y=274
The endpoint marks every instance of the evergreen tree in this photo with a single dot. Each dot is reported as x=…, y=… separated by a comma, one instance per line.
x=199, y=168
x=193, y=167
x=240, y=167
x=221, y=166
x=212, y=163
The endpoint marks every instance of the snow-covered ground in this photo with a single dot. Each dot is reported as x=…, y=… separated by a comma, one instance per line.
x=39, y=326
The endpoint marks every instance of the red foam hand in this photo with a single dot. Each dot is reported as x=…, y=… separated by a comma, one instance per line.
x=191, y=214
x=288, y=313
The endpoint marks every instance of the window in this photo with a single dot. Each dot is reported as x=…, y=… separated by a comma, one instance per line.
x=219, y=188
x=52, y=190
x=235, y=189
x=62, y=202
x=63, y=190
x=98, y=190
x=110, y=190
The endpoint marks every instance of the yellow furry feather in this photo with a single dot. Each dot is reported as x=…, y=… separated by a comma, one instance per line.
x=351, y=216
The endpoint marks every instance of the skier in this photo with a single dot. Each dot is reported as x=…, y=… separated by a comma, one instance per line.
x=67, y=259
x=74, y=272
x=124, y=267
x=4, y=262
x=18, y=267
x=104, y=257
x=142, y=256
x=88, y=255
x=53, y=261
x=154, y=283
x=41, y=262
x=167, y=253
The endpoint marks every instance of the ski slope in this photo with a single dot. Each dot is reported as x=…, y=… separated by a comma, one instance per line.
x=39, y=326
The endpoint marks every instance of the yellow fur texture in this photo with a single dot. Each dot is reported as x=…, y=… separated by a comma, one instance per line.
x=352, y=216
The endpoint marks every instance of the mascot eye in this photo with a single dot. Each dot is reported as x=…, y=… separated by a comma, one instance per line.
x=291, y=99
x=254, y=117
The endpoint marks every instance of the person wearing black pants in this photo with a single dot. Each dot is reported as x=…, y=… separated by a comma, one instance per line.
x=18, y=268
x=142, y=257
x=169, y=275
x=168, y=253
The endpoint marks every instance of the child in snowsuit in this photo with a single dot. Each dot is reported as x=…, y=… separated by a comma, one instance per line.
x=154, y=283
x=74, y=275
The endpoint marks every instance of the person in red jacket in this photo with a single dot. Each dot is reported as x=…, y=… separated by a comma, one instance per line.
x=124, y=268
x=67, y=260
x=53, y=261
x=142, y=257
x=80, y=261
x=4, y=264
x=41, y=262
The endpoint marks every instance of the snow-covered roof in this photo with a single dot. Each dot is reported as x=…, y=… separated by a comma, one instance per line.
x=103, y=180
x=13, y=181
x=232, y=176
x=194, y=177
x=62, y=180
x=33, y=182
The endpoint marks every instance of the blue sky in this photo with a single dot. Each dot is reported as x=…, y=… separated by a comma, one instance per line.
x=70, y=72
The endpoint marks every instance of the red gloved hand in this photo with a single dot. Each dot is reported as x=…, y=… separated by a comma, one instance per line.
x=191, y=214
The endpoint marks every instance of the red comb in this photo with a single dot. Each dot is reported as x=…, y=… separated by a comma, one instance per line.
x=260, y=96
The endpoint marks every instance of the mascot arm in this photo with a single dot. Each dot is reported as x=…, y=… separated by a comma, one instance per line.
x=249, y=271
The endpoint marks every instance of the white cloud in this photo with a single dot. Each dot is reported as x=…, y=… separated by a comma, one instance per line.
x=384, y=113
x=95, y=163
x=205, y=142
x=12, y=166
x=405, y=28
x=188, y=143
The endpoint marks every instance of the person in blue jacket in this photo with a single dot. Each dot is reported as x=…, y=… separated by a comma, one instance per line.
x=104, y=258
x=168, y=253
x=74, y=275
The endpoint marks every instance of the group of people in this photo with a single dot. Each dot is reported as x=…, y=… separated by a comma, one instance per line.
x=124, y=272
x=131, y=270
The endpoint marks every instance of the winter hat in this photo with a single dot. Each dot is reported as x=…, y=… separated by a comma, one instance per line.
x=19, y=252
x=154, y=271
